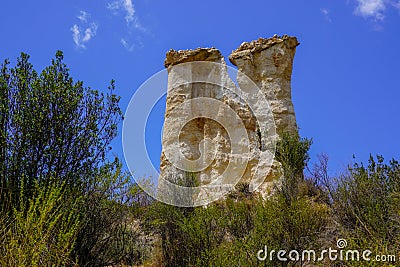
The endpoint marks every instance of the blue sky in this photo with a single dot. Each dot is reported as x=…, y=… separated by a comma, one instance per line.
x=346, y=72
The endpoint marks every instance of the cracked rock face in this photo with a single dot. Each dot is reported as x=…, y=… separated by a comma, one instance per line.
x=268, y=63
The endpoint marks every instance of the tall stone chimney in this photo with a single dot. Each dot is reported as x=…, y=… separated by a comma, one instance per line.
x=199, y=106
x=269, y=62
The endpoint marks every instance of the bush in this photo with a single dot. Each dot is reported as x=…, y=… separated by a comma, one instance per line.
x=292, y=153
x=53, y=126
x=43, y=230
x=111, y=230
x=366, y=205
x=231, y=231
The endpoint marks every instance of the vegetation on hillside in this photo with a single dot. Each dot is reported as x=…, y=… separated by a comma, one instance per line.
x=63, y=202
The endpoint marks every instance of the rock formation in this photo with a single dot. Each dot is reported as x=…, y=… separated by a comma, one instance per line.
x=268, y=63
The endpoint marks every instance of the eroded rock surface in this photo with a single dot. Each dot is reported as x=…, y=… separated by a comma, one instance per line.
x=268, y=63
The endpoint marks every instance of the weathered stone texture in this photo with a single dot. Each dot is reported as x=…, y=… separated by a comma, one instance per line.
x=268, y=62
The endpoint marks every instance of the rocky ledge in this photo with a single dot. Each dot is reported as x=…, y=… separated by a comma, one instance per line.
x=174, y=57
x=261, y=44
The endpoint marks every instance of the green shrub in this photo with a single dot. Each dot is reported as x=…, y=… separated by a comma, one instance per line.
x=41, y=231
x=111, y=230
x=53, y=126
x=231, y=232
x=292, y=153
x=366, y=205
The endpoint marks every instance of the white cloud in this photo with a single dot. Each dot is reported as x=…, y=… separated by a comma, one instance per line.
x=76, y=35
x=114, y=6
x=128, y=47
x=325, y=12
x=126, y=7
x=371, y=9
x=130, y=14
x=375, y=9
x=90, y=32
x=130, y=11
x=82, y=34
x=83, y=16
x=130, y=44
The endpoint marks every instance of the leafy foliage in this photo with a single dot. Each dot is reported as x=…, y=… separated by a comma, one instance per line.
x=366, y=205
x=51, y=126
x=63, y=200
x=43, y=231
x=63, y=203
x=110, y=233
x=229, y=233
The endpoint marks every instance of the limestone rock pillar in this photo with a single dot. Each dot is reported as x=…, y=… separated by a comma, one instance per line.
x=268, y=63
